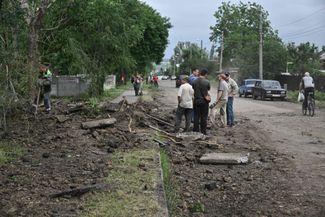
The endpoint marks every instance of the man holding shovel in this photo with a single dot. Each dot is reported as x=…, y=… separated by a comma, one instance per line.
x=44, y=88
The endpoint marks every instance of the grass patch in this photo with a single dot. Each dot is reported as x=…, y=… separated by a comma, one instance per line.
x=171, y=190
x=319, y=97
x=115, y=92
x=9, y=152
x=133, y=192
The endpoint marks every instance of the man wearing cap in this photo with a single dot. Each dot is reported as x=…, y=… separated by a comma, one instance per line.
x=219, y=106
x=307, y=84
x=185, y=105
x=233, y=89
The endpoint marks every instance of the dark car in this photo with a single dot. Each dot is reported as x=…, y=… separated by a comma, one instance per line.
x=179, y=79
x=269, y=89
x=246, y=87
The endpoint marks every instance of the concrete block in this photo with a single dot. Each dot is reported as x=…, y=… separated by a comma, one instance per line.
x=224, y=158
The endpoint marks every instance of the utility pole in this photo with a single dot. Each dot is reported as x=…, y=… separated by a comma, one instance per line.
x=261, y=48
x=201, y=49
x=221, y=52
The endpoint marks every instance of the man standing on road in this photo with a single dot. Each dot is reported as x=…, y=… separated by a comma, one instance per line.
x=185, y=105
x=193, y=76
x=307, y=84
x=233, y=89
x=202, y=99
x=191, y=79
x=219, y=107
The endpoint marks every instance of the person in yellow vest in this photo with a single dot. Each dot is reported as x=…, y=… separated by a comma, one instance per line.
x=44, y=84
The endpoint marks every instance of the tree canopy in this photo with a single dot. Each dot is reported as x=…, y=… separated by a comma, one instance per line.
x=95, y=37
x=240, y=24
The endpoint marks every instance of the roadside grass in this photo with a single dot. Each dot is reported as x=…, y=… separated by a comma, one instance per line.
x=319, y=97
x=170, y=185
x=133, y=179
x=9, y=152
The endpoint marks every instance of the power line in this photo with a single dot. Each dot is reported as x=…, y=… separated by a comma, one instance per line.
x=303, y=18
x=311, y=29
x=304, y=34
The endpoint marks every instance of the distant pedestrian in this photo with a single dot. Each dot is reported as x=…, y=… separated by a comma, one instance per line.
x=136, y=81
x=202, y=99
x=218, y=108
x=233, y=89
x=155, y=80
x=185, y=105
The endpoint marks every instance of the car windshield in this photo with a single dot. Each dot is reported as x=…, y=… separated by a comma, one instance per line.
x=271, y=84
x=250, y=82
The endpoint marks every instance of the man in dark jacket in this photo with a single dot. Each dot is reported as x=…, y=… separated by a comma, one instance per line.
x=201, y=102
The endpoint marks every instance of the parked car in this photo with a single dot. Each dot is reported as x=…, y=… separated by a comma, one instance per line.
x=178, y=80
x=246, y=87
x=173, y=77
x=269, y=89
x=165, y=77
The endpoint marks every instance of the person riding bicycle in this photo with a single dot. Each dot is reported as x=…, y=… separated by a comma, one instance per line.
x=308, y=86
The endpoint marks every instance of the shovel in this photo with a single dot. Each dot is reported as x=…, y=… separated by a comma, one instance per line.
x=37, y=101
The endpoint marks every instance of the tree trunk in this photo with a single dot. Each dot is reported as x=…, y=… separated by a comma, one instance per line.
x=34, y=27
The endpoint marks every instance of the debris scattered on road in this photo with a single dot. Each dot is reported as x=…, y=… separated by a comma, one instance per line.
x=224, y=158
x=191, y=136
x=99, y=123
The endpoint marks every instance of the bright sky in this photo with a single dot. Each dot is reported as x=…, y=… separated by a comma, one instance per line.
x=296, y=20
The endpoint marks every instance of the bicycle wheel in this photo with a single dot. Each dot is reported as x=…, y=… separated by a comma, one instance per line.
x=311, y=107
x=304, y=110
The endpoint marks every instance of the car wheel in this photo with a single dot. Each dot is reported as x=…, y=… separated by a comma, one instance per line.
x=240, y=95
x=254, y=96
x=262, y=96
x=282, y=98
x=272, y=99
x=245, y=95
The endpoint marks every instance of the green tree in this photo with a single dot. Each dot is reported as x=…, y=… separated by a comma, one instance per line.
x=240, y=24
x=189, y=55
x=305, y=57
x=100, y=37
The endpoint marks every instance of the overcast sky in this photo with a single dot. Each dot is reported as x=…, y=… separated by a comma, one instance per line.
x=297, y=20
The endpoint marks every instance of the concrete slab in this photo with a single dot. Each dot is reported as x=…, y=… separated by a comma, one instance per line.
x=191, y=136
x=224, y=158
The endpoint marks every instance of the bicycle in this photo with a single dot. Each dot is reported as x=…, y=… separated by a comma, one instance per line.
x=310, y=105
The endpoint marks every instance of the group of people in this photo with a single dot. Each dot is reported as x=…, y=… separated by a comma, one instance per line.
x=194, y=99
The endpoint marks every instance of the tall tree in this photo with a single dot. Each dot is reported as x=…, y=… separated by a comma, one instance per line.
x=305, y=57
x=240, y=24
x=100, y=37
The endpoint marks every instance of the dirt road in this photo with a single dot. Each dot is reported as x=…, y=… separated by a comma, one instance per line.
x=302, y=137
x=300, y=140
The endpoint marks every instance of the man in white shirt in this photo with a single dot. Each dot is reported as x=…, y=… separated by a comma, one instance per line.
x=307, y=84
x=185, y=105
x=219, y=107
x=233, y=89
